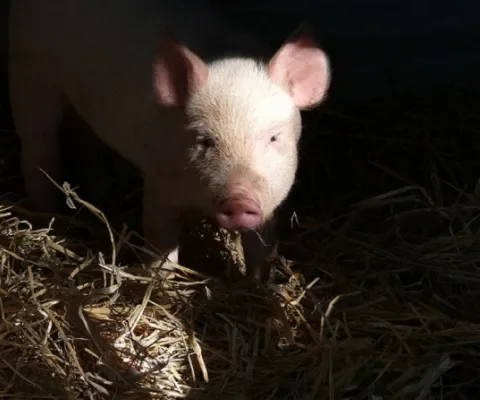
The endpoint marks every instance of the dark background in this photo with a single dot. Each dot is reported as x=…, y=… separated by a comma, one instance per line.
x=376, y=47
x=396, y=72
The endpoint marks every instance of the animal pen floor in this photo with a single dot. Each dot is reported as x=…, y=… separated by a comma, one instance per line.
x=382, y=300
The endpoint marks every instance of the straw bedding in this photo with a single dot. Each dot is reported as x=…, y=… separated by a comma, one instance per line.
x=375, y=296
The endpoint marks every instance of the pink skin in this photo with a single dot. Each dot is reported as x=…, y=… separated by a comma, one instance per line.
x=240, y=210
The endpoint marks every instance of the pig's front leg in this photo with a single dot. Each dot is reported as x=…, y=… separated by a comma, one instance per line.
x=37, y=110
x=161, y=223
x=258, y=248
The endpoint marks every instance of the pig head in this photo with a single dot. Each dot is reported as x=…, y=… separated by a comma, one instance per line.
x=243, y=119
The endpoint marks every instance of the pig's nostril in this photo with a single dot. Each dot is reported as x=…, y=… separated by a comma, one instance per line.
x=243, y=214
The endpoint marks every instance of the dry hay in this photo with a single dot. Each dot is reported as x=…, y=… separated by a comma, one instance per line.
x=381, y=306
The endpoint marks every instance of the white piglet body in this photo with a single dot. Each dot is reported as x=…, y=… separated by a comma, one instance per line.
x=174, y=89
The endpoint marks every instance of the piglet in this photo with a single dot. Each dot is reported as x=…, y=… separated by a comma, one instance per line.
x=207, y=113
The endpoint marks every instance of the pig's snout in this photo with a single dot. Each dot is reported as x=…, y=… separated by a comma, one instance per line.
x=239, y=214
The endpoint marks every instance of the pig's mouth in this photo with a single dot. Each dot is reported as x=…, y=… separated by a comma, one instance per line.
x=239, y=214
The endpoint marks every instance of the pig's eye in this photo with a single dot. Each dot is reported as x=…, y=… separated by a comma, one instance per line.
x=205, y=141
x=274, y=138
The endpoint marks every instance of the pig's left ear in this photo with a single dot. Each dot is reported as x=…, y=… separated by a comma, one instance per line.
x=302, y=68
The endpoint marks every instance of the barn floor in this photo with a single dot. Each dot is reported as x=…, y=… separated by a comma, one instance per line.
x=376, y=293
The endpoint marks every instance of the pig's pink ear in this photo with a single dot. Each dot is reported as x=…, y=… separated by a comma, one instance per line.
x=177, y=71
x=302, y=68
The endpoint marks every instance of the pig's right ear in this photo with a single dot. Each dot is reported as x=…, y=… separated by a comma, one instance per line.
x=176, y=71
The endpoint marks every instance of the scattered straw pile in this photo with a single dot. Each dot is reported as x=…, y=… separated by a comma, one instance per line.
x=383, y=305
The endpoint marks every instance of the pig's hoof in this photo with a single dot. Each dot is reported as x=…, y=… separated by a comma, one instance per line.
x=163, y=267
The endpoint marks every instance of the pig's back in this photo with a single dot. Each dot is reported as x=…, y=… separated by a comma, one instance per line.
x=100, y=54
